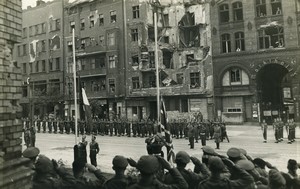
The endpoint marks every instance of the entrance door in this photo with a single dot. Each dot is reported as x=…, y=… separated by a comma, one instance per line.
x=270, y=91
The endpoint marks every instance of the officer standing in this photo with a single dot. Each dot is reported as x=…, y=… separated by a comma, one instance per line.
x=32, y=136
x=276, y=130
x=191, y=134
x=55, y=125
x=82, y=149
x=27, y=135
x=202, y=130
x=217, y=135
x=38, y=124
x=94, y=150
x=264, y=127
x=44, y=124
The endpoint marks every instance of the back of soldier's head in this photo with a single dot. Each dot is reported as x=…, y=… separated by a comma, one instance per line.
x=78, y=167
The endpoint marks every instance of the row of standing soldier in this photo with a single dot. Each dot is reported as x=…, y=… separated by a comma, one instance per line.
x=278, y=127
x=122, y=127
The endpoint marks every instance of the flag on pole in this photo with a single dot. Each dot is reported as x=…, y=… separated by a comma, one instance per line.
x=87, y=111
x=165, y=129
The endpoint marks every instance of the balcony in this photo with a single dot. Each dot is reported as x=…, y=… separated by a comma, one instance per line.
x=91, y=50
x=174, y=90
x=92, y=72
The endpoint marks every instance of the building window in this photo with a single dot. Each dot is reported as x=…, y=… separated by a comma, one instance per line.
x=166, y=20
x=152, y=81
x=37, y=66
x=92, y=22
x=167, y=59
x=151, y=59
x=82, y=45
x=113, y=16
x=135, y=11
x=30, y=31
x=102, y=85
x=224, y=13
x=30, y=68
x=83, y=85
x=111, y=61
x=226, y=44
x=261, y=8
x=111, y=84
x=101, y=40
x=101, y=20
x=95, y=87
x=276, y=7
x=195, y=80
x=135, y=60
x=134, y=35
x=111, y=39
x=235, y=76
x=82, y=63
x=57, y=24
x=50, y=64
x=239, y=41
x=72, y=25
x=24, y=68
x=82, y=24
x=135, y=82
x=43, y=65
x=179, y=78
x=237, y=11
x=19, y=51
x=24, y=32
x=24, y=49
x=43, y=43
x=57, y=63
x=271, y=37
x=190, y=58
x=44, y=27
x=100, y=62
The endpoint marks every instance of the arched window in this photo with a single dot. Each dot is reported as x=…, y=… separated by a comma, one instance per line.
x=237, y=11
x=224, y=13
x=235, y=76
x=239, y=41
x=226, y=43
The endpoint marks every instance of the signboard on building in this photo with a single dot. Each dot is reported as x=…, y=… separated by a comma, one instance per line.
x=267, y=113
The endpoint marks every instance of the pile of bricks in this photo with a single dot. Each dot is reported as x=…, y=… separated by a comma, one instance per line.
x=14, y=171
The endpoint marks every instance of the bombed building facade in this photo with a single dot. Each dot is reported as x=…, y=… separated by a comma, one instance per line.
x=40, y=56
x=256, y=59
x=116, y=62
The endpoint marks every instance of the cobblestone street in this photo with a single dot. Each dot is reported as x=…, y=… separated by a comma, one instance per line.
x=60, y=146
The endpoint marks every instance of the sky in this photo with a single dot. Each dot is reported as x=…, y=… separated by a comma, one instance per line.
x=31, y=3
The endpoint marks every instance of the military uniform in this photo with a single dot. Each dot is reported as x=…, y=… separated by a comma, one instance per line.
x=264, y=127
x=27, y=137
x=61, y=126
x=94, y=150
x=202, y=131
x=217, y=135
x=44, y=125
x=55, y=125
x=191, y=134
x=276, y=131
x=82, y=150
x=32, y=136
x=38, y=124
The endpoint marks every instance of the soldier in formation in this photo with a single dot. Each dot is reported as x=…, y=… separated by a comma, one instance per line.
x=94, y=150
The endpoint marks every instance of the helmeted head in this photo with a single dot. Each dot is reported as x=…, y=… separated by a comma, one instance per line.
x=182, y=158
x=148, y=165
x=276, y=180
x=119, y=162
x=215, y=164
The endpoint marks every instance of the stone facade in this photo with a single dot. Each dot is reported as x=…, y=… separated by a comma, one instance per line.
x=253, y=46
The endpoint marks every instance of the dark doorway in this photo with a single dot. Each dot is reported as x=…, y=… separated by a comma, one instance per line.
x=270, y=91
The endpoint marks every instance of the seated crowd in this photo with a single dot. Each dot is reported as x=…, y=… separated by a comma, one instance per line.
x=236, y=170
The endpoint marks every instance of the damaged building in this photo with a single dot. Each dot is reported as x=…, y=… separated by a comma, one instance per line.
x=40, y=56
x=115, y=59
x=185, y=67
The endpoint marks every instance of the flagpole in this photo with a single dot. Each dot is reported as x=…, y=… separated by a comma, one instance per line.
x=156, y=65
x=74, y=77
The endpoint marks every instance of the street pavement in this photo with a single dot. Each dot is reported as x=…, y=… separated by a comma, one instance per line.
x=60, y=146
